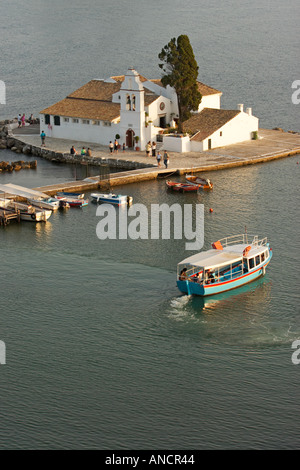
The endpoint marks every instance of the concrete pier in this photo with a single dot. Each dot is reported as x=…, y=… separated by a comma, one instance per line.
x=271, y=145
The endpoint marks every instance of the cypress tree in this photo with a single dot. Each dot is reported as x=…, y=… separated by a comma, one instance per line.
x=180, y=72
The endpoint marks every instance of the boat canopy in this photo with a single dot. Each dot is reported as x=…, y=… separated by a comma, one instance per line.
x=212, y=259
x=21, y=191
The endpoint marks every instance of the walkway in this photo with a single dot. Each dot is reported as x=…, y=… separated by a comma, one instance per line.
x=272, y=144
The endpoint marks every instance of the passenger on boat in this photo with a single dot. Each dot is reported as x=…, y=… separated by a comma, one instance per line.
x=183, y=274
x=198, y=277
x=210, y=277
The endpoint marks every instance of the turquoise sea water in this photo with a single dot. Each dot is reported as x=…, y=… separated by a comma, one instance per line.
x=102, y=350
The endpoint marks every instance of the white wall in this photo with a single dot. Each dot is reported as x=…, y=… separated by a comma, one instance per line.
x=210, y=101
x=84, y=132
x=176, y=144
x=239, y=129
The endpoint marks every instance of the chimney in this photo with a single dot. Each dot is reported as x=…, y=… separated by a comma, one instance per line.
x=249, y=111
x=241, y=107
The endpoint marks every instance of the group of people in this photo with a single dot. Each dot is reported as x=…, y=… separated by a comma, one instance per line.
x=83, y=152
x=165, y=158
x=151, y=148
x=114, y=146
x=22, y=119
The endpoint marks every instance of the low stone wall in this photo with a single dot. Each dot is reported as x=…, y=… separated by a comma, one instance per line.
x=9, y=141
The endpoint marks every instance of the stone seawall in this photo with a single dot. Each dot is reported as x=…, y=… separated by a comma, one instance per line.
x=9, y=141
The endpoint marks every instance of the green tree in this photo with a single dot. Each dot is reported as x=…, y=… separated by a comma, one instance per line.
x=181, y=72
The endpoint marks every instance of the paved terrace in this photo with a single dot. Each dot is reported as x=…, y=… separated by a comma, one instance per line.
x=270, y=145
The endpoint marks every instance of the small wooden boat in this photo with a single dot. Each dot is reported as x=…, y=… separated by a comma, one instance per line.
x=50, y=203
x=202, y=183
x=72, y=201
x=72, y=195
x=231, y=263
x=181, y=187
x=117, y=199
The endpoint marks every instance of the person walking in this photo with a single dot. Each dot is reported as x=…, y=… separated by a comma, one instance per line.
x=158, y=158
x=43, y=137
x=166, y=159
x=111, y=147
x=116, y=146
x=148, y=148
x=19, y=120
x=153, y=149
x=23, y=119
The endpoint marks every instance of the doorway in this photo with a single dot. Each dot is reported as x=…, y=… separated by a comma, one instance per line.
x=129, y=138
x=162, y=122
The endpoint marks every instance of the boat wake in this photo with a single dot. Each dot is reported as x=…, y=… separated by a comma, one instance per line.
x=178, y=308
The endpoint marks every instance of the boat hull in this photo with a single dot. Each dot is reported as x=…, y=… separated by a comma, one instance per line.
x=72, y=201
x=202, y=183
x=181, y=187
x=118, y=200
x=195, y=288
x=38, y=216
x=50, y=204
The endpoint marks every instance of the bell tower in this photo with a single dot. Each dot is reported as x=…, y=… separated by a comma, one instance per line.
x=132, y=115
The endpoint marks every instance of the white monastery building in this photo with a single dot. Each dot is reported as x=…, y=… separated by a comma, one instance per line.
x=132, y=106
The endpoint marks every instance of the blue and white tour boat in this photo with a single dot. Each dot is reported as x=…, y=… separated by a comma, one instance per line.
x=230, y=263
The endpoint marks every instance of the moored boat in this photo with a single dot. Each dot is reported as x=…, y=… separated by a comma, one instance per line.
x=117, y=199
x=72, y=201
x=203, y=183
x=231, y=263
x=181, y=187
x=50, y=203
x=27, y=211
x=72, y=195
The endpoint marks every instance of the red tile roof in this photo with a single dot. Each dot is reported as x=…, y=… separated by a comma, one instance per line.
x=209, y=120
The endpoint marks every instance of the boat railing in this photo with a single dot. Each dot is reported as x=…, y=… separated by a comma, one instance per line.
x=243, y=238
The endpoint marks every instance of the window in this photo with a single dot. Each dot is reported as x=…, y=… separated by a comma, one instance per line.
x=76, y=121
x=85, y=121
x=128, y=103
x=221, y=133
x=47, y=119
x=106, y=123
x=257, y=260
x=96, y=123
x=251, y=263
x=57, y=120
x=66, y=119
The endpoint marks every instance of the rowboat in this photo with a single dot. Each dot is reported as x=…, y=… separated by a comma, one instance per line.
x=230, y=263
x=50, y=203
x=72, y=195
x=117, y=199
x=181, y=187
x=201, y=182
x=72, y=201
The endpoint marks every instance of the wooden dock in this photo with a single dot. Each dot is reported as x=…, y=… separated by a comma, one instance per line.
x=7, y=215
